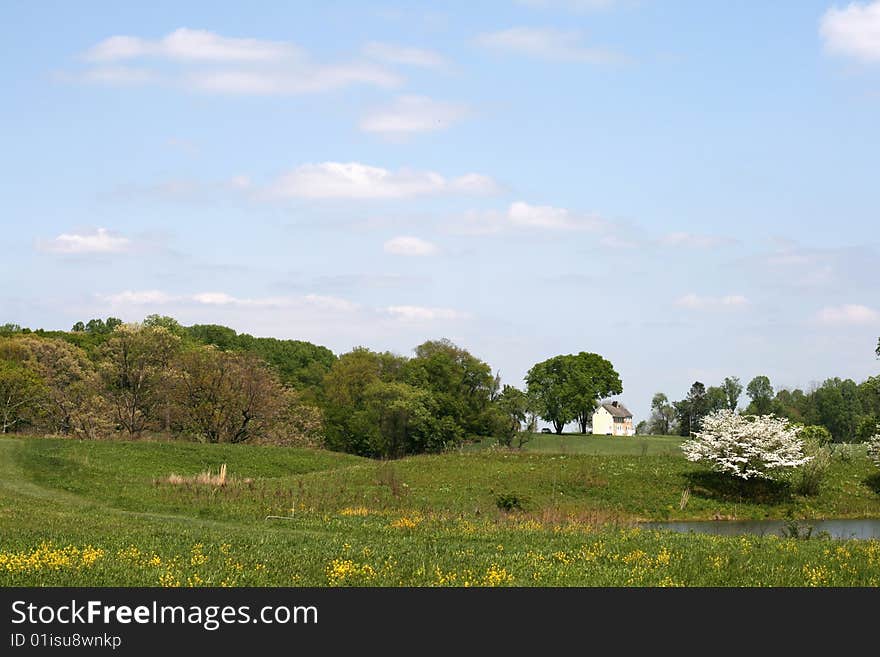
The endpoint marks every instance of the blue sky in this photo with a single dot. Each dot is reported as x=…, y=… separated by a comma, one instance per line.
x=687, y=188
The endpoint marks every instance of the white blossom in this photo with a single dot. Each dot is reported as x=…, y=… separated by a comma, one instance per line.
x=874, y=449
x=746, y=446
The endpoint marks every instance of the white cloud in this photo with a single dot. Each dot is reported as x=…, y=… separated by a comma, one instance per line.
x=353, y=180
x=694, y=241
x=100, y=241
x=409, y=246
x=139, y=297
x=300, y=80
x=853, y=31
x=118, y=76
x=188, y=44
x=211, y=63
x=546, y=43
x=424, y=314
x=525, y=216
x=404, y=55
x=848, y=314
x=224, y=300
x=215, y=298
x=331, y=303
x=412, y=114
x=696, y=302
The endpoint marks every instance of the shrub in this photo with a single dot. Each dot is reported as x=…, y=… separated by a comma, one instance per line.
x=747, y=447
x=815, y=433
x=509, y=502
x=874, y=449
x=812, y=474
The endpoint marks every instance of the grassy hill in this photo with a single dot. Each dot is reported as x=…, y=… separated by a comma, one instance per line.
x=110, y=513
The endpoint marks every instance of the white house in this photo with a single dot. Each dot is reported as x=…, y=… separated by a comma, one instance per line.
x=613, y=419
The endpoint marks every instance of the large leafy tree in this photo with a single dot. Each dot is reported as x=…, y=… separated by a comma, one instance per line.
x=22, y=393
x=462, y=385
x=515, y=409
x=134, y=366
x=746, y=447
x=691, y=410
x=548, y=385
x=72, y=403
x=567, y=387
x=590, y=378
x=662, y=415
x=227, y=397
x=761, y=393
x=839, y=408
x=732, y=391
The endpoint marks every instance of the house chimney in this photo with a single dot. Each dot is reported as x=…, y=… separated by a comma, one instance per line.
x=614, y=403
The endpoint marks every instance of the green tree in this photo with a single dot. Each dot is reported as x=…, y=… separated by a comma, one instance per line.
x=548, y=385
x=761, y=393
x=839, y=408
x=225, y=397
x=716, y=399
x=732, y=391
x=72, y=403
x=515, y=410
x=461, y=384
x=590, y=378
x=691, y=410
x=134, y=364
x=21, y=395
x=662, y=415
x=164, y=321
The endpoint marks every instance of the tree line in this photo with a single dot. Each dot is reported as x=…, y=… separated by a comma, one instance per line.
x=846, y=410
x=105, y=378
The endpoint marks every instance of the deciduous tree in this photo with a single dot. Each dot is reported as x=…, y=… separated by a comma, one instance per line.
x=746, y=447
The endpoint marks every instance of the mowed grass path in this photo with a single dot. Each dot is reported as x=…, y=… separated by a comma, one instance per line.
x=102, y=513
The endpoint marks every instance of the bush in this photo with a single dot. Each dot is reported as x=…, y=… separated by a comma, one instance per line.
x=747, y=447
x=812, y=474
x=815, y=433
x=874, y=449
x=509, y=502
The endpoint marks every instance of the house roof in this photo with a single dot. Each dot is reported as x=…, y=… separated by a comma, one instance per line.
x=618, y=410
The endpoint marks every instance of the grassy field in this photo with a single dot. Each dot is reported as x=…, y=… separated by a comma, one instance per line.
x=104, y=513
x=575, y=443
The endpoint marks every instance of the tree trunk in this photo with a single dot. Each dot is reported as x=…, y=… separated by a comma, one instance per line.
x=559, y=426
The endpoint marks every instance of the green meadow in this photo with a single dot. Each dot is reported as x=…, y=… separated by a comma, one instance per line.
x=560, y=512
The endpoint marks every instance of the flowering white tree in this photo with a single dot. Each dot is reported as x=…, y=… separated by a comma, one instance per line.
x=874, y=449
x=746, y=446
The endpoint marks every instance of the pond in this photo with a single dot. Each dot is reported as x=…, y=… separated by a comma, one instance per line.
x=863, y=528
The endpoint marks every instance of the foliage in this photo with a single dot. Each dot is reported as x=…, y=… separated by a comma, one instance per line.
x=73, y=404
x=509, y=502
x=732, y=391
x=380, y=404
x=747, y=446
x=226, y=397
x=514, y=410
x=812, y=475
x=874, y=449
x=566, y=388
x=691, y=410
x=134, y=367
x=21, y=395
x=815, y=434
x=662, y=415
x=761, y=393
